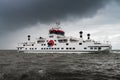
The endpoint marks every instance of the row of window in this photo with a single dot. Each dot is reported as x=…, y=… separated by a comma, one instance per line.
x=95, y=48
x=69, y=48
x=56, y=44
x=61, y=41
x=19, y=48
x=60, y=48
x=57, y=48
x=56, y=32
x=45, y=44
x=54, y=40
x=26, y=44
x=28, y=48
x=31, y=48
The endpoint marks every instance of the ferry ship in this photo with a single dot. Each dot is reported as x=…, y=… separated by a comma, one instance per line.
x=57, y=42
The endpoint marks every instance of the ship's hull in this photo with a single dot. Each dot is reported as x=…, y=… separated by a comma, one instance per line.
x=64, y=51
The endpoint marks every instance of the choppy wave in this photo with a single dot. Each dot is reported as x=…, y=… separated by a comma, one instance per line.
x=20, y=66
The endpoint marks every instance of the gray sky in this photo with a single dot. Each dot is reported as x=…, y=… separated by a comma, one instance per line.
x=18, y=18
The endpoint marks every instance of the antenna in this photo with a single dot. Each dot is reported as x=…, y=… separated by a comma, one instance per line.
x=58, y=23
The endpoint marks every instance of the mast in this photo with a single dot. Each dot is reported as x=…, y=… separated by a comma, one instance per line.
x=58, y=25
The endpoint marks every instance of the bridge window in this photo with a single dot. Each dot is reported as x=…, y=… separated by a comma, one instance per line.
x=59, y=32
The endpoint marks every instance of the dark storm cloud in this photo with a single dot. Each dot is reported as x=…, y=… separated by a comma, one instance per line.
x=16, y=14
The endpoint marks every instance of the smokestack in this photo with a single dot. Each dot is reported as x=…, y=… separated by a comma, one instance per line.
x=81, y=32
x=88, y=36
x=28, y=37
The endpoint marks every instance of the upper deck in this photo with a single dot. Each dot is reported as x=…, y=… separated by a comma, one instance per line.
x=57, y=31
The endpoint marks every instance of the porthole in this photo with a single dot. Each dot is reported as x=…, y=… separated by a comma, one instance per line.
x=73, y=48
x=66, y=48
x=67, y=44
x=80, y=43
x=85, y=48
x=62, y=48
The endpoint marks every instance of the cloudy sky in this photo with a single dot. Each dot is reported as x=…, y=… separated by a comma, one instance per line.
x=18, y=18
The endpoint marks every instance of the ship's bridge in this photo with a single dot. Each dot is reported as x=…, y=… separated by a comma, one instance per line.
x=57, y=31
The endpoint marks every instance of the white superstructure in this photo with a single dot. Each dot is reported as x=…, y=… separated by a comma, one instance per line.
x=57, y=42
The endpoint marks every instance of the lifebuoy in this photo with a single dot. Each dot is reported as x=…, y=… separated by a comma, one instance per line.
x=51, y=43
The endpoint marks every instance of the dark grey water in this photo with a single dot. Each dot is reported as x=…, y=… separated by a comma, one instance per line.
x=20, y=66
